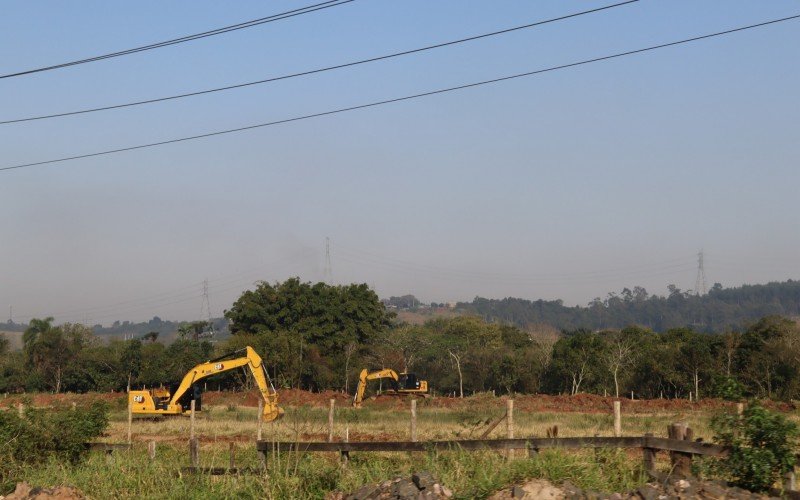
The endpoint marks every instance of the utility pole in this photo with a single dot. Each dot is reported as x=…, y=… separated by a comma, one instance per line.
x=700, y=287
x=205, y=307
x=328, y=273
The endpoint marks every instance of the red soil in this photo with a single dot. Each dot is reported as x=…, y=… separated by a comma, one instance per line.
x=580, y=403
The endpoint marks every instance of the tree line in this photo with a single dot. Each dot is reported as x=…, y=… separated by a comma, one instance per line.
x=318, y=337
x=718, y=310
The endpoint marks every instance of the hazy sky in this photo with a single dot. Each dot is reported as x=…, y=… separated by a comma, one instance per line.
x=566, y=185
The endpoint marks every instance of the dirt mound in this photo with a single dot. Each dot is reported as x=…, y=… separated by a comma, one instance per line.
x=421, y=485
x=26, y=491
x=579, y=403
x=286, y=397
x=679, y=489
x=537, y=488
x=62, y=400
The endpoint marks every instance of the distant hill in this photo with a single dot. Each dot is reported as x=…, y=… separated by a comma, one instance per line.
x=167, y=330
x=420, y=316
x=720, y=309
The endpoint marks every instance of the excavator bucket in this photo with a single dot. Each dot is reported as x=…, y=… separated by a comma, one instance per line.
x=272, y=414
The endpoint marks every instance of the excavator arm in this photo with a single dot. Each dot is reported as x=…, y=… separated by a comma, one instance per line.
x=143, y=402
x=366, y=376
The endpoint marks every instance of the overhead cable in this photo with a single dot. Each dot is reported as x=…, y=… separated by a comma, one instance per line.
x=318, y=70
x=397, y=99
x=188, y=38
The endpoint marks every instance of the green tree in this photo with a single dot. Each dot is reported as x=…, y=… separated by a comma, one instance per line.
x=35, y=328
x=131, y=360
x=696, y=359
x=310, y=321
x=621, y=352
x=761, y=444
x=574, y=361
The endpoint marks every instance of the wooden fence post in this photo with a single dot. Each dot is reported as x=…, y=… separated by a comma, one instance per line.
x=232, y=463
x=739, y=408
x=193, y=452
x=151, y=450
x=510, y=423
x=510, y=418
x=130, y=422
x=681, y=462
x=649, y=457
x=617, y=419
x=345, y=453
x=191, y=420
x=330, y=421
x=21, y=410
x=414, y=420
x=789, y=481
x=259, y=419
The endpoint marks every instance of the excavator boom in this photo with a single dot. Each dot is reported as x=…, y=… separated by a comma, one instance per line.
x=161, y=401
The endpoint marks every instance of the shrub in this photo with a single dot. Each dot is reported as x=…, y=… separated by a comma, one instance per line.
x=728, y=388
x=761, y=446
x=40, y=435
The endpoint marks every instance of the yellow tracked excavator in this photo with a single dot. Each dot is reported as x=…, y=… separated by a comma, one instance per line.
x=405, y=383
x=176, y=400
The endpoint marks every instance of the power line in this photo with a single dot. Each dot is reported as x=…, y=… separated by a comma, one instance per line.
x=397, y=99
x=319, y=70
x=188, y=38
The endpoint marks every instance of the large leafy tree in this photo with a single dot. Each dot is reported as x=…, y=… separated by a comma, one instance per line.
x=52, y=351
x=312, y=322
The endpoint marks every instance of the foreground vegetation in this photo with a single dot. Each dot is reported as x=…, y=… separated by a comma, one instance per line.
x=130, y=474
x=470, y=475
x=764, y=442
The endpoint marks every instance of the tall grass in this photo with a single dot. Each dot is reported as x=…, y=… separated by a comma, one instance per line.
x=131, y=474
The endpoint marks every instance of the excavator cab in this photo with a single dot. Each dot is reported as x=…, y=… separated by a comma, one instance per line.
x=196, y=393
x=408, y=382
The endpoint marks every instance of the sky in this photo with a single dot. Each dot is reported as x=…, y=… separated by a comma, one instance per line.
x=564, y=185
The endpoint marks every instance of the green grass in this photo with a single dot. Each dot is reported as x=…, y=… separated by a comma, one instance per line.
x=471, y=475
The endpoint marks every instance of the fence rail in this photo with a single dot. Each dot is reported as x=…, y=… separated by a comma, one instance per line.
x=659, y=444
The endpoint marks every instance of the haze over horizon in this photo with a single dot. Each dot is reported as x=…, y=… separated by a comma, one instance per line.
x=566, y=185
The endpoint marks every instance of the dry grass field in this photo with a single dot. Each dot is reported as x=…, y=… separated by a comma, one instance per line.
x=232, y=418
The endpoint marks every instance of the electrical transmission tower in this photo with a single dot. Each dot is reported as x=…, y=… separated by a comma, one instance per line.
x=328, y=273
x=700, y=287
x=205, y=309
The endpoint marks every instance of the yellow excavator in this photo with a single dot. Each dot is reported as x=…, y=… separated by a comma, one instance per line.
x=176, y=400
x=405, y=383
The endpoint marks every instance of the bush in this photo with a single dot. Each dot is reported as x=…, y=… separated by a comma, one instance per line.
x=40, y=435
x=761, y=446
x=728, y=388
